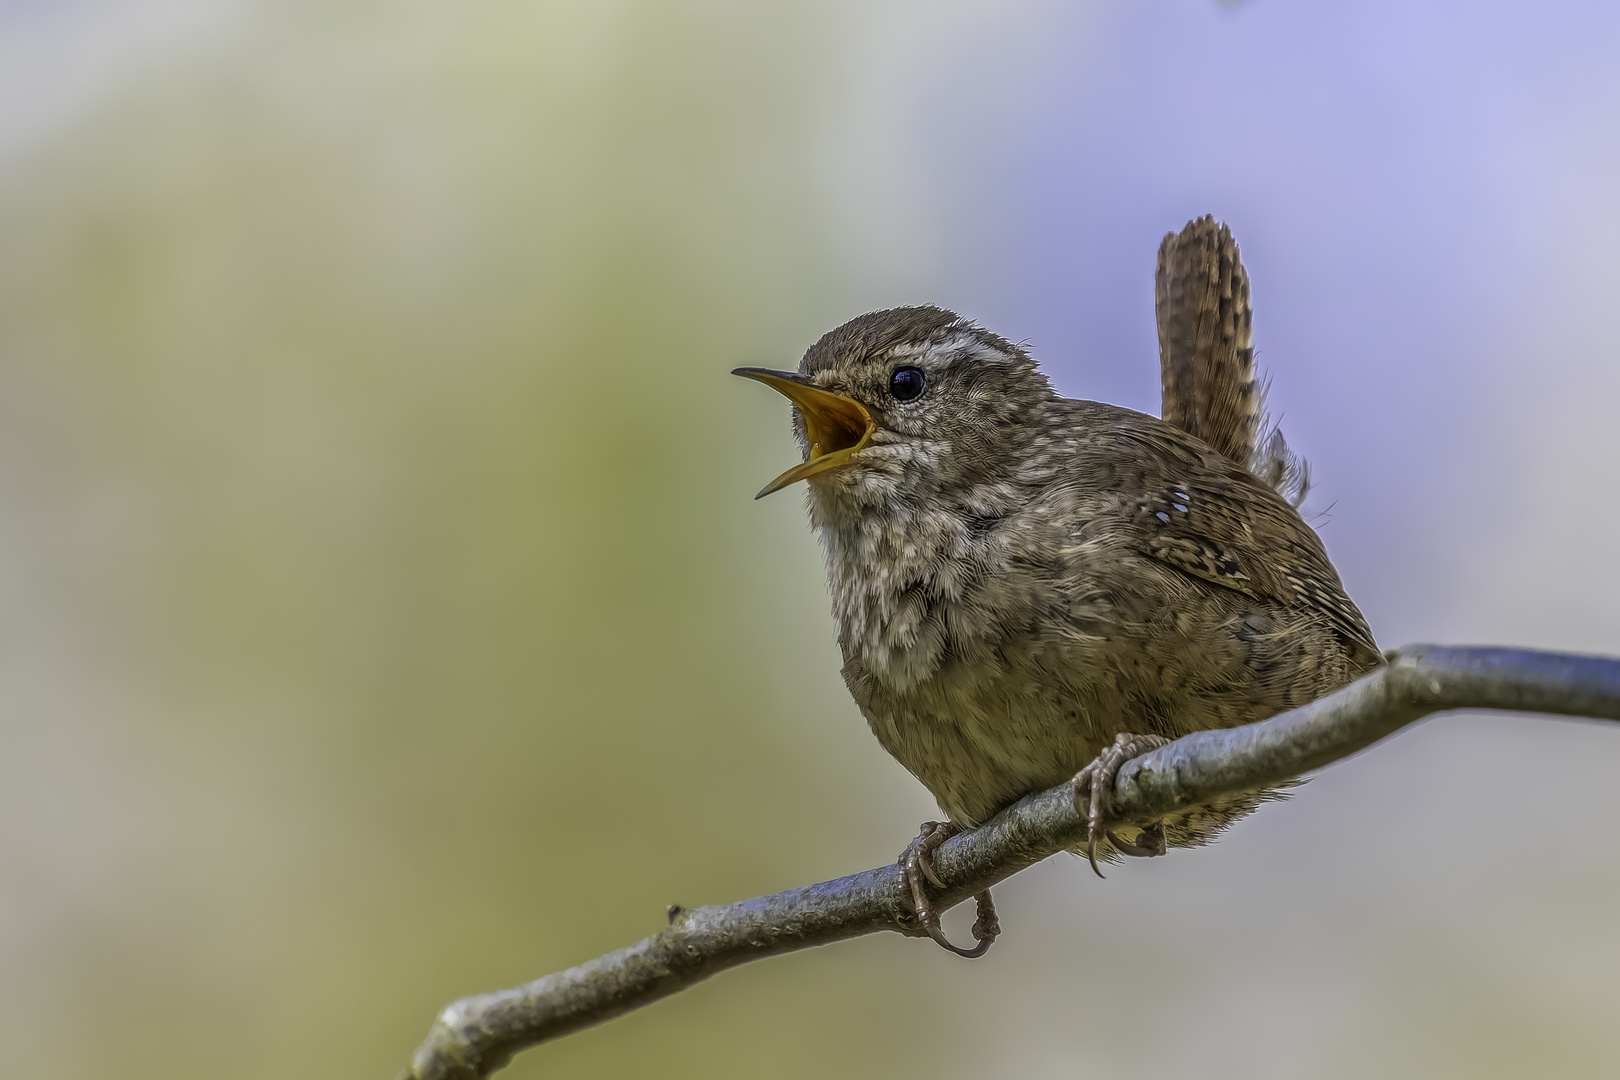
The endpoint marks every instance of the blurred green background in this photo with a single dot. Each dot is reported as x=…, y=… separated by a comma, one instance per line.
x=386, y=617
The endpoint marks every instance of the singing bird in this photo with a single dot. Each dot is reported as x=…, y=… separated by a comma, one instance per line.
x=1030, y=589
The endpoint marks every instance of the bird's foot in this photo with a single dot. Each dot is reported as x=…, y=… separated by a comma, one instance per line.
x=1150, y=843
x=1094, y=796
x=917, y=869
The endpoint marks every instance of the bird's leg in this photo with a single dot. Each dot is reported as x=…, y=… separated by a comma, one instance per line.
x=916, y=869
x=1095, y=785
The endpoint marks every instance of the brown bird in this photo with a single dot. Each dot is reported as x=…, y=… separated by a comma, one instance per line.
x=1030, y=589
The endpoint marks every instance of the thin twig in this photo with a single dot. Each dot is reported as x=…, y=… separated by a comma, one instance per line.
x=475, y=1036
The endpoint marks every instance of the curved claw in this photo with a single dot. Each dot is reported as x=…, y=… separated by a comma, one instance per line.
x=917, y=867
x=986, y=928
x=1085, y=784
x=1097, y=781
x=1140, y=851
x=1091, y=855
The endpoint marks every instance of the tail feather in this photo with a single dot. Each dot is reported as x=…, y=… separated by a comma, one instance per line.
x=1205, y=359
x=1211, y=385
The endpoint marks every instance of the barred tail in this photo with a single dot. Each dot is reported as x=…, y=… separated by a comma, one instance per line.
x=1212, y=388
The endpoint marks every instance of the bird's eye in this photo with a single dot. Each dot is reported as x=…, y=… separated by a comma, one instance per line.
x=907, y=384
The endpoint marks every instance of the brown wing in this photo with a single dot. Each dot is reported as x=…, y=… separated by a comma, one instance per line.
x=1214, y=521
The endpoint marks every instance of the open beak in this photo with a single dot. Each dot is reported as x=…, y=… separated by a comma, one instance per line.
x=837, y=426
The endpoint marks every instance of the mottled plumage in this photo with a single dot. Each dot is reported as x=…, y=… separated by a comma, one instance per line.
x=1018, y=577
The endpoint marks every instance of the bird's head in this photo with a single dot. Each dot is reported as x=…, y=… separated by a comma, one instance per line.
x=909, y=402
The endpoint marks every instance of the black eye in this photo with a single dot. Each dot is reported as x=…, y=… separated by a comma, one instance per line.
x=907, y=384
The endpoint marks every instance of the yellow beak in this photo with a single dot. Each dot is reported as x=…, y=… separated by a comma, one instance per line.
x=837, y=426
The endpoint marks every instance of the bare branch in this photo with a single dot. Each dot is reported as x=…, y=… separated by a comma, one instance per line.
x=477, y=1035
